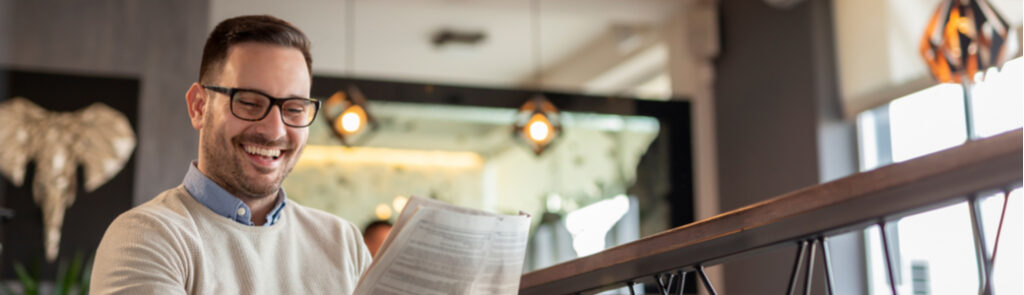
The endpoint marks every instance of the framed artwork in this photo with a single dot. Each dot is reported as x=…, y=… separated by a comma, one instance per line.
x=77, y=121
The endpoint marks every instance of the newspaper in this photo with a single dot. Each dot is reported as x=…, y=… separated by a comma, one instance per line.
x=437, y=248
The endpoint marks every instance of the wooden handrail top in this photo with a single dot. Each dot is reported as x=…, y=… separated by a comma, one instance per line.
x=901, y=188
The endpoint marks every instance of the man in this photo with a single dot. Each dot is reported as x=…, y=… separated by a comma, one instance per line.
x=229, y=228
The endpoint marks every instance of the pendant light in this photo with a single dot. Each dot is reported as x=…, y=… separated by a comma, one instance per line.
x=538, y=122
x=347, y=111
x=962, y=39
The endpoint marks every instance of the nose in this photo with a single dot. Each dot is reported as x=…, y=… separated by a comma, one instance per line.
x=272, y=127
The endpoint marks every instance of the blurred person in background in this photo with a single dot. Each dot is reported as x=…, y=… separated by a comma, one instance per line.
x=374, y=235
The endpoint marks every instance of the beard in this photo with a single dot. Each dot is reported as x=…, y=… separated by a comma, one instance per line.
x=225, y=163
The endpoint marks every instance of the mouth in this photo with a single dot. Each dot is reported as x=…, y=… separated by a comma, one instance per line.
x=260, y=151
x=263, y=156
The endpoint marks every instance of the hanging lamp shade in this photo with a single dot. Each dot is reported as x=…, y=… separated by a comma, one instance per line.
x=538, y=123
x=962, y=38
x=348, y=116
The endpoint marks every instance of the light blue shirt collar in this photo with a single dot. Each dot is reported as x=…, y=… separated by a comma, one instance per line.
x=208, y=193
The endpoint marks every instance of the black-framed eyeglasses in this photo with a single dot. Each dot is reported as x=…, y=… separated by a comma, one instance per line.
x=254, y=105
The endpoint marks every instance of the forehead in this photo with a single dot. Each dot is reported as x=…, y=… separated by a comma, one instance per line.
x=277, y=70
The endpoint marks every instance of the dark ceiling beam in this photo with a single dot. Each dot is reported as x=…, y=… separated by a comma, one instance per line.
x=410, y=92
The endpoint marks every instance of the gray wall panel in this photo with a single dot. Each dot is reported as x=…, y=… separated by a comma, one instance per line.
x=158, y=42
x=778, y=125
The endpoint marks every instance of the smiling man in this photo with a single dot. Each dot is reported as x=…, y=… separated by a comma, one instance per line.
x=229, y=228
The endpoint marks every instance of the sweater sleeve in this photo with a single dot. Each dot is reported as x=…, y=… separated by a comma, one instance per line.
x=361, y=255
x=365, y=259
x=140, y=254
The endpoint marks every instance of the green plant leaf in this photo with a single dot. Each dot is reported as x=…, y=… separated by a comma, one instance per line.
x=86, y=275
x=28, y=283
x=59, y=287
x=71, y=278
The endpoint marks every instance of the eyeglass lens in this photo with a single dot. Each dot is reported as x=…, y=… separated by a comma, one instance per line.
x=254, y=106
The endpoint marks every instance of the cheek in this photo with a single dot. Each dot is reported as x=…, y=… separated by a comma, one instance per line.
x=214, y=119
x=225, y=130
x=231, y=129
x=299, y=137
x=211, y=124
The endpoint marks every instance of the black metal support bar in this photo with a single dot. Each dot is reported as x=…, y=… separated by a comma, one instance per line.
x=810, y=267
x=1002, y=217
x=980, y=247
x=664, y=287
x=828, y=264
x=888, y=257
x=796, y=267
x=682, y=281
x=629, y=285
x=704, y=278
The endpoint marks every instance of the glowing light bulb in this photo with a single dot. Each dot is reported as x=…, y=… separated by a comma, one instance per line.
x=399, y=203
x=538, y=128
x=351, y=121
x=538, y=131
x=383, y=212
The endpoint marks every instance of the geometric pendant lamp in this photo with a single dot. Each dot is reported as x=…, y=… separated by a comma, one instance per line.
x=538, y=123
x=349, y=116
x=964, y=37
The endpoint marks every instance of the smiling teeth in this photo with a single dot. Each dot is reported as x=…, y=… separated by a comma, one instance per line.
x=262, y=151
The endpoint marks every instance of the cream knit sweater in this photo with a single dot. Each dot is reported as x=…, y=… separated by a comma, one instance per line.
x=175, y=245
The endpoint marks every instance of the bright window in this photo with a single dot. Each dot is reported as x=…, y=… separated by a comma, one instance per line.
x=927, y=121
x=935, y=249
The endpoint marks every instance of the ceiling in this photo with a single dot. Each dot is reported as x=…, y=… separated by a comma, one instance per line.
x=392, y=38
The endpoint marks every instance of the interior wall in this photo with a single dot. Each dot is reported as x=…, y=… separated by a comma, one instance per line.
x=5, y=33
x=158, y=42
x=777, y=126
x=5, y=27
x=765, y=117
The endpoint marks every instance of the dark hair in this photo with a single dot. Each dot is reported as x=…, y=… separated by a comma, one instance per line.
x=250, y=28
x=376, y=224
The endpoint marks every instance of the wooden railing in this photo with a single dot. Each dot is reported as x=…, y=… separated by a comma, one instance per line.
x=806, y=216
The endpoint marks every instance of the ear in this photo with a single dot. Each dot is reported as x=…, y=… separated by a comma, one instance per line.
x=196, y=97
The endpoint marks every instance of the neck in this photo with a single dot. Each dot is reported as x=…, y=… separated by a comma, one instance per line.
x=259, y=205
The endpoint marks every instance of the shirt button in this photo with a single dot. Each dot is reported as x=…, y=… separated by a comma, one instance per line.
x=241, y=211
